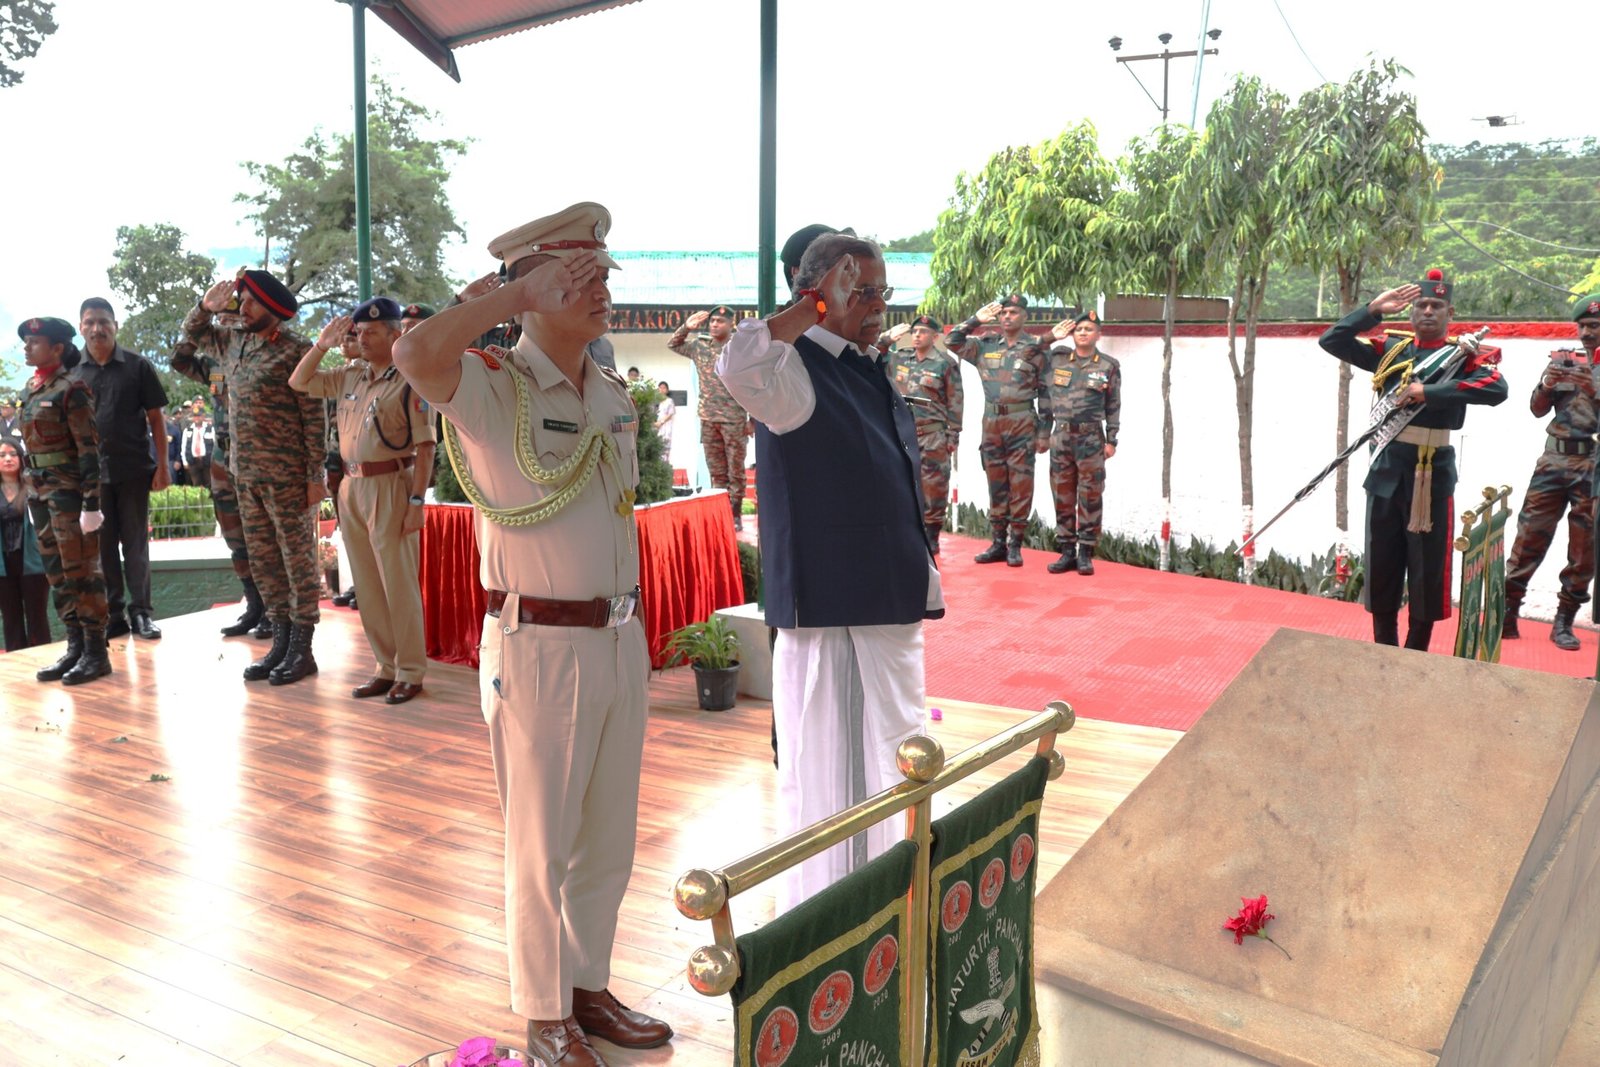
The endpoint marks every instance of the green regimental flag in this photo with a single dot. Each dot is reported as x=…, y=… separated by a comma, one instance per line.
x=982, y=1004
x=1494, y=587
x=822, y=985
x=1469, y=624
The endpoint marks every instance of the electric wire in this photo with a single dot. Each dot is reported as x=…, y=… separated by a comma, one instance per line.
x=1496, y=259
x=1525, y=237
x=1295, y=37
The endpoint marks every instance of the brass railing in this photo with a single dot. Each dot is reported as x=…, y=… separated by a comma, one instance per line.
x=704, y=895
x=1491, y=497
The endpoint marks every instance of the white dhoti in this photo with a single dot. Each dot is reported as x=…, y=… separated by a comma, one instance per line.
x=843, y=698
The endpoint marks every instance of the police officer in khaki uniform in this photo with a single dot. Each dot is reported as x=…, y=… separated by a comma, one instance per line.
x=386, y=445
x=544, y=444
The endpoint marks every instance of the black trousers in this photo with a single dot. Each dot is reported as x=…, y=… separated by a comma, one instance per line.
x=125, y=545
x=24, y=605
x=1400, y=562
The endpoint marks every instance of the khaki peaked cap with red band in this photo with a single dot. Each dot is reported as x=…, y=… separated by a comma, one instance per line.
x=269, y=291
x=567, y=232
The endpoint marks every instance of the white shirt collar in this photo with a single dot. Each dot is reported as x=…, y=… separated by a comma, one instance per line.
x=829, y=341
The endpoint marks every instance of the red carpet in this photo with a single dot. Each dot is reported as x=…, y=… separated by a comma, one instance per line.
x=1134, y=645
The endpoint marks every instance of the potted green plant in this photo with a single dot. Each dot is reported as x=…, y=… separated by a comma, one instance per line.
x=712, y=649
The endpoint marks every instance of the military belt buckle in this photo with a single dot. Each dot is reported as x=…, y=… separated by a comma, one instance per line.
x=620, y=609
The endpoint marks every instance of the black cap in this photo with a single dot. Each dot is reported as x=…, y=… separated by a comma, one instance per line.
x=724, y=310
x=794, y=249
x=1087, y=316
x=929, y=321
x=273, y=294
x=59, y=331
x=1434, y=285
x=1015, y=300
x=378, y=309
x=417, y=311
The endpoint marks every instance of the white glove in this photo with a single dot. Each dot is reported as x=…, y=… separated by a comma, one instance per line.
x=89, y=521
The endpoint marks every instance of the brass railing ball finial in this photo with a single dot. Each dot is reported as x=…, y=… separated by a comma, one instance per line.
x=1064, y=714
x=920, y=758
x=713, y=970
x=1058, y=764
x=699, y=894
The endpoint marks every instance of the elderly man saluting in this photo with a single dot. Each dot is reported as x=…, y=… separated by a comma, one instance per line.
x=544, y=444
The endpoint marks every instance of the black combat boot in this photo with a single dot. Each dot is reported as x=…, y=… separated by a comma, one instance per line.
x=995, y=552
x=94, y=663
x=1561, y=630
x=1508, y=625
x=933, y=536
x=299, y=662
x=262, y=667
x=1014, y=551
x=263, y=628
x=1085, y=559
x=1067, y=560
x=253, y=610
x=57, y=670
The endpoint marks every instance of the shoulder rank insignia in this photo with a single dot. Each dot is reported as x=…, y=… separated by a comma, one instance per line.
x=488, y=355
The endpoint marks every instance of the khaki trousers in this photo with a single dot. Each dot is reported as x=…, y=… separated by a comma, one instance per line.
x=383, y=568
x=566, y=709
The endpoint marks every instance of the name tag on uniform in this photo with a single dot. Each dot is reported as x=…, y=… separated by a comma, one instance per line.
x=47, y=403
x=1063, y=376
x=563, y=427
x=994, y=357
x=216, y=376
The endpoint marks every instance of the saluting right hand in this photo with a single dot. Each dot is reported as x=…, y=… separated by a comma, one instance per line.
x=333, y=334
x=838, y=285
x=697, y=320
x=556, y=284
x=1394, y=300
x=1061, y=329
x=480, y=286
x=217, y=297
x=899, y=330
x=990, y=312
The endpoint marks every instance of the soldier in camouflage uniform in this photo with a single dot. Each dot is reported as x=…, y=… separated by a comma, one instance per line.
x=63, y=462
x=931, y=383
x=1012, y=367
x=724, y=425
x=277, y=457
x=1086, y=402
x=188, y=361
x=1563, y=480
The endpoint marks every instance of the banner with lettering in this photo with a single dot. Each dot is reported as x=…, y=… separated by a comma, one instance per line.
x=982, y=1010
x=1494, y=586
x=1469, y=623
x=822, y=985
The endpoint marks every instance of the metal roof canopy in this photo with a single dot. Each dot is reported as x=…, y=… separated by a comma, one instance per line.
x=436, y=27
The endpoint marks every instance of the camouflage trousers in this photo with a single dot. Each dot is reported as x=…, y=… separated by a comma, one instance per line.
x=225, y=503
x=280, y=537
x=71, y=561
x=1078, y=482
x=935, y=448
x=1007, y=451
x=724, y=443
x=1560, y=483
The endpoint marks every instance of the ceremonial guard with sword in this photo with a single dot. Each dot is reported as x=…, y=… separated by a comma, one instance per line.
x=1411, y=481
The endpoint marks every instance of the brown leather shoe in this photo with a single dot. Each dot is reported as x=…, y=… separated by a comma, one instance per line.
x=562, y=1043
x=402, y=692
x=375, y=688
x=603, y=1015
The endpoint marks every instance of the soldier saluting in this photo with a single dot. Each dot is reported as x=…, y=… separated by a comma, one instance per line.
x=931, y=382
x=1012, y=367
x=724, y=425
x=1086, y=400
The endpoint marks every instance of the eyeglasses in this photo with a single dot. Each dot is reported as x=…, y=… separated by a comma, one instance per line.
x=872, y=292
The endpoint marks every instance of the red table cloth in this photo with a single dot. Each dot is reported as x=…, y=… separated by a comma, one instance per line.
x=688, y=568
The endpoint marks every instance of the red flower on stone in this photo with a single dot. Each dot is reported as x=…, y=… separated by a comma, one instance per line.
x=1251, y=922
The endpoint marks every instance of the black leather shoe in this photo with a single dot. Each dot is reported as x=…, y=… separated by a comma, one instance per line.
x=1085, y=559
x=1561, y=631
x=993, y=554
x=344, y=598
x=298, y=661
x=1014, y=553
x=69, y=659
x=263, y=628
x=143, y=627
x=117, y=626
x=254, y=610
x=375, y=688
x=94, y=663
x=1068, y=560
x=264, y=666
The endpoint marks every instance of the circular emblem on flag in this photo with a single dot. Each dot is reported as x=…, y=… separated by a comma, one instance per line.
x=957, y=902
x=777, y=1038
x=993, y=880
x=880, y=964
x=1021, y=856
x=831, y=1002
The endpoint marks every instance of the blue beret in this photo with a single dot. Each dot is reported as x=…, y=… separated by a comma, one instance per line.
x=378, y=309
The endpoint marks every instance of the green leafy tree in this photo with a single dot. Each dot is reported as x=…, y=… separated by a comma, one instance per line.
x=24, y=24
x=1235, y=180
x=1020, y=225
x=305, y=209
x=917, y=242
x=1358, y=193
x=1147, y=232
x=157, y=280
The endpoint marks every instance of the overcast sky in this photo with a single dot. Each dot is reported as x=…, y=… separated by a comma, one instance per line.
x=142, y=112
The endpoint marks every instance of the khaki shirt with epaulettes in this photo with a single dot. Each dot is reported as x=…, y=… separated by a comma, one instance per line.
x=379, y=416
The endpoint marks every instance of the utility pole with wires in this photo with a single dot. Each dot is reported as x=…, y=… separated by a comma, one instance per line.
x=1166, y=56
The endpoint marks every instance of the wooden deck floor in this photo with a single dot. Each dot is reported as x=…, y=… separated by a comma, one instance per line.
x=316, y=880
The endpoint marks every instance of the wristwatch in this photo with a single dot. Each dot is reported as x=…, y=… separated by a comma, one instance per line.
x=417, y=500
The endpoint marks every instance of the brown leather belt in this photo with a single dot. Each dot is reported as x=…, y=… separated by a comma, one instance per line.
x=1569, y=446
x=601, y=613
x=382, y=466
